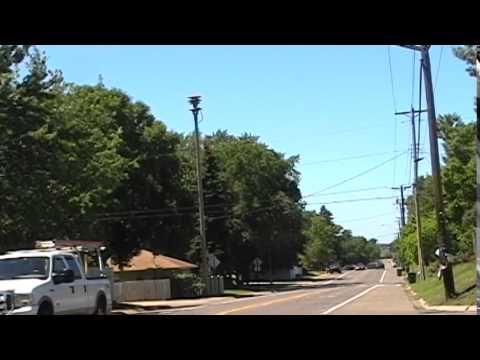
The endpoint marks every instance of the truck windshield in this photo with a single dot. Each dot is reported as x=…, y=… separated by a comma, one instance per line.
x=24, y=268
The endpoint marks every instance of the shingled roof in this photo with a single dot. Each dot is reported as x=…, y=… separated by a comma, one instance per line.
x=146, y=260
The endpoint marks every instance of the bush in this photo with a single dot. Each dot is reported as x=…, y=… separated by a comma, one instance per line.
x=186, y=285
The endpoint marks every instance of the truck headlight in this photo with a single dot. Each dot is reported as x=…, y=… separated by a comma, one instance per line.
x=22, y=300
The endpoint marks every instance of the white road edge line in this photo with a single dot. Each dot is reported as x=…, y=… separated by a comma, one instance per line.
x=168, y=311
x=279, y=293
x=336, y=307
x=383, y=275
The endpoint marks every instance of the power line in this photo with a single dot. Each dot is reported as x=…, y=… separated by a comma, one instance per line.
x=410, y=165
x=413, y=77
x=325, y=134
x=408, y=168
x=438, y=68
x=366, y=218
x=159, y=210
x=353, y=200
x=395, y=110
x=355, y=176
x=347, y=158
x=391, y=78
x=394, y=147
x=353, y=191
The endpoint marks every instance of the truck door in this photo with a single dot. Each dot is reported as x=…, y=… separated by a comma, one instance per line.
x=61, y=294
x=79, y=301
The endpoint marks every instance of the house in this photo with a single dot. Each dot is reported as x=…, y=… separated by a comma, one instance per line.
x=148, y=266
x=148, y=277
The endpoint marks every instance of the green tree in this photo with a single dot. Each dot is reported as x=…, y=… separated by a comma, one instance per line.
x=459, y=179
x=469, y=54
x=320, y=248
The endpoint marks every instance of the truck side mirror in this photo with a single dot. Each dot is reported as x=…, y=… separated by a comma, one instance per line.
x=66, y=277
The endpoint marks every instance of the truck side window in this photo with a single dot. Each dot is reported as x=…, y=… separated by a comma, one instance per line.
x=72, y=265
x=58, y=265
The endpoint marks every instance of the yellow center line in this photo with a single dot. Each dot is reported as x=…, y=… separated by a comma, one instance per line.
x=263, y=304
x=283, y=299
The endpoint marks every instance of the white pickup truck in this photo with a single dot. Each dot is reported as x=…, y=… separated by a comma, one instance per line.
x=51, y=281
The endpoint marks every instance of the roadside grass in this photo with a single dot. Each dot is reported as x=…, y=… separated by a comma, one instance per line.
x=239, y=293
x=431, y=290
x=313, y=275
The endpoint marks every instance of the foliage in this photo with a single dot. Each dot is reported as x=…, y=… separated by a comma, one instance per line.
x=459, y=184
x=467, y=53
x=328, y=242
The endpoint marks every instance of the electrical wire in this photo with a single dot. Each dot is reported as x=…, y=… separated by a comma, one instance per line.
x=353, y=191
x=414, y=53
x=392, y=85
x=391, y=79
x=419, y=107
x=355, y=176
x=367, y=218
x=352, y=200
x=159, y=210
x=347, y=158
x=438, y=69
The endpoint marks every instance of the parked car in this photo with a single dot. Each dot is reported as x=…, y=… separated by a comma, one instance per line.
x=360, y=267
x=334, y=269
x=50, y=281
x=376, y=265
x=349, y=267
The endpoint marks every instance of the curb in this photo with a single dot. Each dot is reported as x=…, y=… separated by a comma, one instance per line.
x=450, y=308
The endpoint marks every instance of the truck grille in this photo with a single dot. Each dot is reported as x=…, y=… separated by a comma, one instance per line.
x=7, y=302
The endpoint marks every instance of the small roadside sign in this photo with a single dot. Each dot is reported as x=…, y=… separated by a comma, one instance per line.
x=257, y=265
x=213, y=261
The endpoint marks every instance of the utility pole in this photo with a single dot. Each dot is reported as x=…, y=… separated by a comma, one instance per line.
x=402, y=203
x=416, y=160
x=194, y=101
x=448, y=280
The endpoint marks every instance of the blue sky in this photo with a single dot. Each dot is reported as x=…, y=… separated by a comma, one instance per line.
x=320, y=102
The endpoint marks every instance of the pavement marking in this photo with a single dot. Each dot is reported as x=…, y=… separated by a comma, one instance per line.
x=383, y=275
x=263, y=304
x=198, y=307
x=336, y=307
x=280, y=300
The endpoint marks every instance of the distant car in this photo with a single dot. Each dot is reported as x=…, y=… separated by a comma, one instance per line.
x=380, y=265
x=372, y=265
x=349, y=267
x=334, y=269
x=360, y=267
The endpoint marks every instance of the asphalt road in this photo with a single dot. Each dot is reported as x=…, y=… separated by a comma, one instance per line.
x=368, y=292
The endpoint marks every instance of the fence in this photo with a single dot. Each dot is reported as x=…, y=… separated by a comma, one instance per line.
x=185, y=288
x=141, y=290
x=215, y=286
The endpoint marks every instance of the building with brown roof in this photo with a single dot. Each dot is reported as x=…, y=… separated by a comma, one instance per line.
x=146, y=266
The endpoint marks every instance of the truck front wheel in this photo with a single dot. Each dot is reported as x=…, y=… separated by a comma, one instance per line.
x=45, y=309
x=101, y=307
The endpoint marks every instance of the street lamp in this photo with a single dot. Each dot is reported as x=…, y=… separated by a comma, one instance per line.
x=195, y=101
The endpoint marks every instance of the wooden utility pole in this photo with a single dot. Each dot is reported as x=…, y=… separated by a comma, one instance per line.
x=195, y=100
x=416, y=160
x=448, y=281
x=402, y=203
